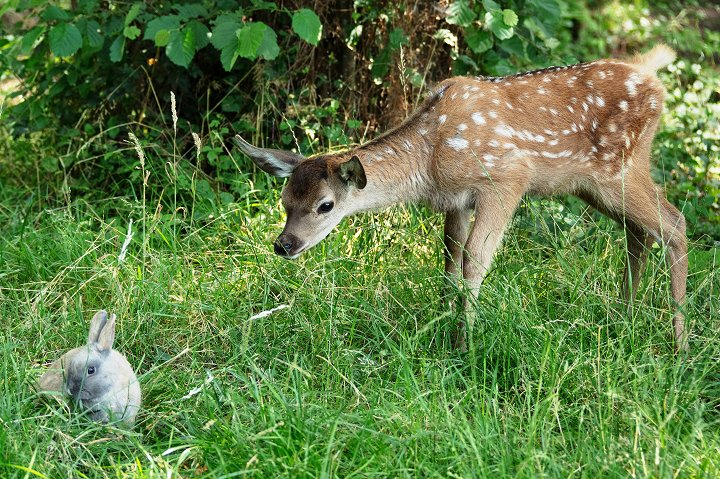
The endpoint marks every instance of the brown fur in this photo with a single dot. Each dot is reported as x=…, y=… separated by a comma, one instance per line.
x=479, y=144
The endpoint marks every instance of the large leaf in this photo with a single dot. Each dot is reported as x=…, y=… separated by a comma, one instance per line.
x=548, y=10
x=495, y=22
x=514, y=46
x=269, y=48
x=117, y=48
x=131, y=32
x=181, y=47
x=55, y=13
x=201, y=34
x=225, y=33
x=250, y=37
x=307, y=25
x=193, y=10
x=132, y=13
x=460, y=13
x=228, y=56
x=30, y=39
x=93, y=34
x=65, y=39
x=479, y=41
x=397, y=38
x=490, y=5
x=510, y=17
x=167, y=22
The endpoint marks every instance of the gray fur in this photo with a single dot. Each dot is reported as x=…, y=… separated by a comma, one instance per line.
x=97, y=379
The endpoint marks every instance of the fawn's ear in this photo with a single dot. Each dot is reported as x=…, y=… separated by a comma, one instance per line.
x=352, y=173
x=276, y=162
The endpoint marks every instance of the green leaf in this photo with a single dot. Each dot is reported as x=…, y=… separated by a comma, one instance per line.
x=228, y=56
x=552, y=43
x=460, y=13
x=490, y=5
x=250, y=36
x=201, y=34
x=479, y=41
x=181, y=47
x=510, y=18
x=548, y=10
x=162, y=38
x=65, y=40
x=397, y=37
x=307, y=25
x=30, y=39
x=117, y=48
x=131, y=32
x=269, y=49
x=225, y=33
x=514, y=46
x=132, y=13
x=193, y=10
x=92, y=33
x=494, y=21
x=55, y=13
x=167, y=22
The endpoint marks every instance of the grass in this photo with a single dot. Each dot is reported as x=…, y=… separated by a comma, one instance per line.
x=356, y=378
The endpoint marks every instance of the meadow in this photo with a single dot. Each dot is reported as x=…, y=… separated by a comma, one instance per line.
x=356, y=377
x=119, y=190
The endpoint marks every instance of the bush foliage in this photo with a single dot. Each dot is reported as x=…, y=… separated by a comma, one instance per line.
x=308, y=78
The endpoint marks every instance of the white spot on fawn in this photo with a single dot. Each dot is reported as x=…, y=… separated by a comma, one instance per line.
x=554, y=111
x=457, y=144
x=496, y=101
x=462, y=127
x=478, y=118
x=553, y=142
x=562, y=154
x=612, y=127
x=542, y=91
x=492, y=114
x=653, y=102
x=599, y=101
x=493, y=143
x=442, y=119
x=624, y=105
x=504, y=130
x=632, y=82
x=466, y=95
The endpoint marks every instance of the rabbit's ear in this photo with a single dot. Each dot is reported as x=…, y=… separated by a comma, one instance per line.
x=107, y=335
x=96, y=325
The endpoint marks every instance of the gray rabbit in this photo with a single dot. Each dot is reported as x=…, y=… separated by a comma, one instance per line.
x=97, y=378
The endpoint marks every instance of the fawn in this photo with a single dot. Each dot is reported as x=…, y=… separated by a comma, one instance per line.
x=478, y=144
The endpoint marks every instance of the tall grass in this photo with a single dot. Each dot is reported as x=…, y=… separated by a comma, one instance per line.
x=356, y=378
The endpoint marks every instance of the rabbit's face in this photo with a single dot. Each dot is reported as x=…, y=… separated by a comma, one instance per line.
x=87, y=377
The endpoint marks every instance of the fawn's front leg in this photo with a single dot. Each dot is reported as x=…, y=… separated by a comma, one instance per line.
x=493, y=212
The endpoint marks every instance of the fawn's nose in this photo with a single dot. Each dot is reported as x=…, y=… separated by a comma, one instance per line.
x=285, y=245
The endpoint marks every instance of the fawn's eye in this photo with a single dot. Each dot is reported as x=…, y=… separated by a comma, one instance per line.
x=91, y=370
x=326, y=207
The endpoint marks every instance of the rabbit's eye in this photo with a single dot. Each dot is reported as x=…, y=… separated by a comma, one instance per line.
x=91, y=370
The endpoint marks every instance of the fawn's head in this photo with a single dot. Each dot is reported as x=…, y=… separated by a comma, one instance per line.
x=315, y=197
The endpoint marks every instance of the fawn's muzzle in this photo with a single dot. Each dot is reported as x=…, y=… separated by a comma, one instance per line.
x=287, y=245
